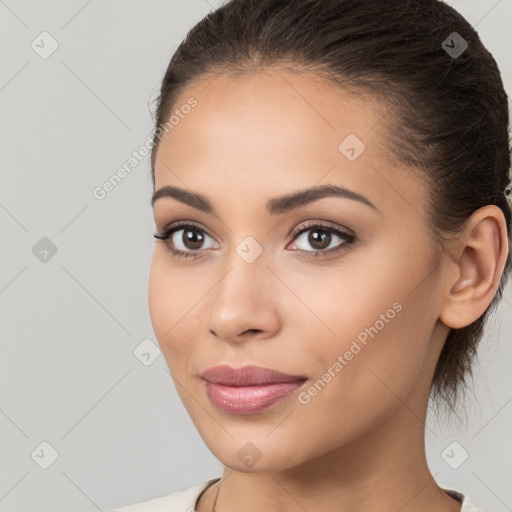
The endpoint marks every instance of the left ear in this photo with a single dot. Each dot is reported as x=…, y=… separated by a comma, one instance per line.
x=483, y=249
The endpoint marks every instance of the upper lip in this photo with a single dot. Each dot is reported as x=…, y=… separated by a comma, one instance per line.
x=246, y=375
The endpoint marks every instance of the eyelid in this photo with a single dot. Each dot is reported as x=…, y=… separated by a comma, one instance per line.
x=184, y=224
x=304, y=226
x=180, y=224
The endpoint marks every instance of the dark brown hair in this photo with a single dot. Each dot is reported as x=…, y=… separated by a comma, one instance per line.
x=448, y=113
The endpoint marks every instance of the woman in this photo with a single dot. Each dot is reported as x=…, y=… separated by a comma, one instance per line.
x=333, y=231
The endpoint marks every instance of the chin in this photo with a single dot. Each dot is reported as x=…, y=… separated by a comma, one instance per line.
x=255, y=454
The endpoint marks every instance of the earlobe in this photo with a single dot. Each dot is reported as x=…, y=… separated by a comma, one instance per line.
x=484, y=246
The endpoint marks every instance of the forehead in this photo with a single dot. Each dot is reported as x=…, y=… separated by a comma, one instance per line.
x=275, y=130
x=302, y=104
x=252, y=108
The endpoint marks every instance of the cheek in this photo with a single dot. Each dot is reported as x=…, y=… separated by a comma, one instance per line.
x=171, y=292
x=371, y=330
x=355, y=385
x=158, y=295
x=171, y=301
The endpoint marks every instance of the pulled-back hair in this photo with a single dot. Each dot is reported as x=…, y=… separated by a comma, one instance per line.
x=447, y=111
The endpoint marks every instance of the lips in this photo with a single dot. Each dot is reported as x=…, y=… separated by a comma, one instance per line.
x=249, y=389
x=246, y=376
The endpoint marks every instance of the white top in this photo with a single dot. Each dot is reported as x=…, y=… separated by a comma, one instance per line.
x=185, y=501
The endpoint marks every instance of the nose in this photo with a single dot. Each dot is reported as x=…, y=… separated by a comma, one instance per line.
x=244, y=304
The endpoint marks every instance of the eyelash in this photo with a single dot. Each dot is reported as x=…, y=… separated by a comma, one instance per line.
x=168, y=231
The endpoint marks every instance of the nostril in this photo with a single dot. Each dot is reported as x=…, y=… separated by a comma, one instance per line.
x=252, y=331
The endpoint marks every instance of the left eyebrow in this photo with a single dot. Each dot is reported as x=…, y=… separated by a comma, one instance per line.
x=275, y=206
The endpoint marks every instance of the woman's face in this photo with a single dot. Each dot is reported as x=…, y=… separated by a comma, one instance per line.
x=359, y=322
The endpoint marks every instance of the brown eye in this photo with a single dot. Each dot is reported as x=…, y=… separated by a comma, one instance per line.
x=184, y=239
x=191, y=238
x=322, y=239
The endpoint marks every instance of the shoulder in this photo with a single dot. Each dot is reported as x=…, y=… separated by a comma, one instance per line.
x=467, y=506
x=179, y=501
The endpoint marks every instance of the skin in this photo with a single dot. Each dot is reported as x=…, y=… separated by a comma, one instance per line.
x=358, y=445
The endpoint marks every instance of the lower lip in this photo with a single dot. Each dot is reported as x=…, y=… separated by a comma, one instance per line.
x=249, y=399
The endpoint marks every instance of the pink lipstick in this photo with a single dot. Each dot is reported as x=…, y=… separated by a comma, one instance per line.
x=249, y=389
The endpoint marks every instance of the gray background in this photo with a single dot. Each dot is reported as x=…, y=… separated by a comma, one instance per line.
x=70, y=324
